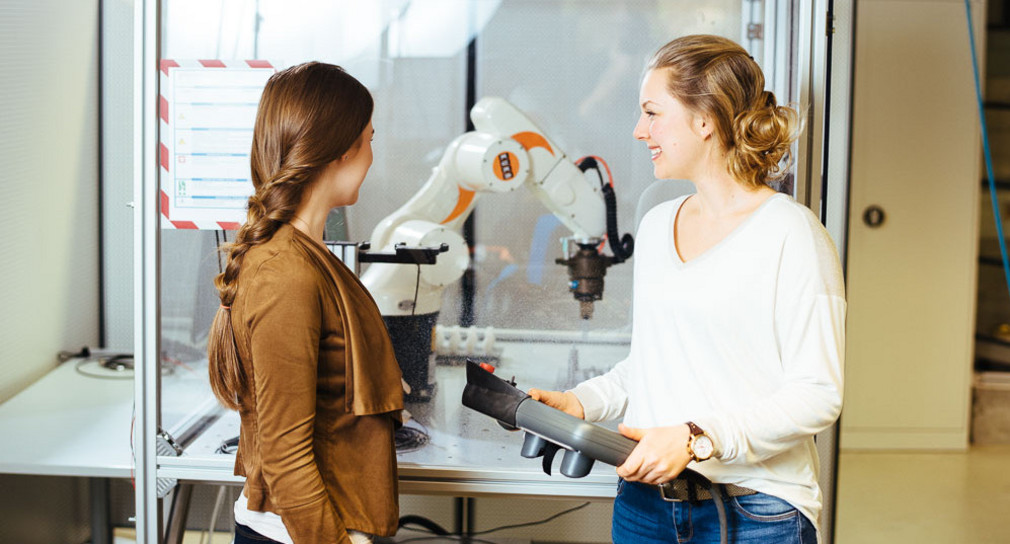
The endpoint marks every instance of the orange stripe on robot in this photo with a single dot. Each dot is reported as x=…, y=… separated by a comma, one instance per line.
x=529, y=140
x=465, y=198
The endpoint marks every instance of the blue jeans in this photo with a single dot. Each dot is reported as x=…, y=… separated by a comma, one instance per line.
x=245, y=535
x=641, y=516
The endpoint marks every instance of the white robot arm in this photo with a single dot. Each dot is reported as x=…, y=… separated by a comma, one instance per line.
x=505, y=152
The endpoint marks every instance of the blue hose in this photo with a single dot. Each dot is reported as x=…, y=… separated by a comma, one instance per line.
x=985, y=146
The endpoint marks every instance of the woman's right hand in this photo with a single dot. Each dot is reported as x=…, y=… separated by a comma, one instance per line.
x=565, y=401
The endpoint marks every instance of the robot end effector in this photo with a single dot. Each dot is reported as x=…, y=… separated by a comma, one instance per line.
x=587, y=265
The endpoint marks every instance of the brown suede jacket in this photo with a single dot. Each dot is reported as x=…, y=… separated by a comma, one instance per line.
x=316, y=444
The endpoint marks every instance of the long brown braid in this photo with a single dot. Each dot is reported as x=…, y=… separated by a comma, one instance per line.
x=309, y=115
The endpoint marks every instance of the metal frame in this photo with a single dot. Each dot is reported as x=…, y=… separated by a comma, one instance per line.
x=810, y=86
x=838, y=147
x=822, y=167
x=146, y=269
x=835, y=196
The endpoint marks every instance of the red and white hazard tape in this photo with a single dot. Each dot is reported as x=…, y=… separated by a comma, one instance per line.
x=166, y=145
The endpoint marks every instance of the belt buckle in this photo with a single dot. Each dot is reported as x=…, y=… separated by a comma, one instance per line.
x=666, y=491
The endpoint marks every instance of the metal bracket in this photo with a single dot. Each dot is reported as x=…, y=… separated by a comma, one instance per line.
x=165, y=444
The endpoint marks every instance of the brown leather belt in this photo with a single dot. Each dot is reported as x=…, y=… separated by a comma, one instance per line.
x=681, y=490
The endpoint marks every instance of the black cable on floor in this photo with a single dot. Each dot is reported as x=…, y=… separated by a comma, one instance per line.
x=440, y=532
x=428, y=524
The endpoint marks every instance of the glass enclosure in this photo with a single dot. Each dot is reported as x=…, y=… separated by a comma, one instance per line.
x=573, y=67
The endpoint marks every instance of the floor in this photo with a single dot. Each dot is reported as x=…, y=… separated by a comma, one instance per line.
x=893, y=498
x=129, y=536
x=924, y=497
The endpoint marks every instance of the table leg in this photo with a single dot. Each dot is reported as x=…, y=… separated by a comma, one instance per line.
x=101, y=529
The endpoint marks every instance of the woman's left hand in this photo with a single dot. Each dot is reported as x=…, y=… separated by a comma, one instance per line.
x=660, y=456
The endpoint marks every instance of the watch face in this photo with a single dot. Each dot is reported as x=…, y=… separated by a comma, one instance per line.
x=702, y=447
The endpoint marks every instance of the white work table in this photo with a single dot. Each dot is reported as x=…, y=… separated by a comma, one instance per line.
x=77, y=419
x=69, y=424
x=467, y=452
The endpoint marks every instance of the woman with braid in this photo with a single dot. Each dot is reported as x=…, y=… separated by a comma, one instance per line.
x=738, y=323
x=298, y=346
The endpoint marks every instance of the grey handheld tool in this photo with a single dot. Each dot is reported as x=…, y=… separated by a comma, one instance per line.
x=549, y=430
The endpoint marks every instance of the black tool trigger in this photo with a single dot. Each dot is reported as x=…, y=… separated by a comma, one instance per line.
x=549, y=451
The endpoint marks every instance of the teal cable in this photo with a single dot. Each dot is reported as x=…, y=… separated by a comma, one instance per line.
x=985, y=146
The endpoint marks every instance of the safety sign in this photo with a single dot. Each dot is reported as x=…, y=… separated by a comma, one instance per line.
x=207, y=110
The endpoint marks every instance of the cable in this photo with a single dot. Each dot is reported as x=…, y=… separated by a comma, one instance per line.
x=593, y=161
x=590, y=162
x=417, y=286
x=81, y=368
x=64, y=356
x=531, y=523
x=228, y=447
x=621, y=246
x=213, y=515
x=428, y=524
x=119, y=361
x=109, y=365
x=985, y=146
x=439, y=532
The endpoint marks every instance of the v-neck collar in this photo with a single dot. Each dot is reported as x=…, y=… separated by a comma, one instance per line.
x=716, y=248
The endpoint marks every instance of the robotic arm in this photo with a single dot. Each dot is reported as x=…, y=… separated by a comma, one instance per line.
x=505, y=152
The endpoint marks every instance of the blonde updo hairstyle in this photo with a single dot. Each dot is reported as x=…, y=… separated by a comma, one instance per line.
x=309, y=115
x=714, y=76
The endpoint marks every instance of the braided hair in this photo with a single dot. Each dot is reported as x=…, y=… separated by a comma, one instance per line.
x=309, y=115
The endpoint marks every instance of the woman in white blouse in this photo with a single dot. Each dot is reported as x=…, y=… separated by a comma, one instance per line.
x=738, y=325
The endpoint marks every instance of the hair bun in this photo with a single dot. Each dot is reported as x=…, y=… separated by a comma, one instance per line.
x=762, y=137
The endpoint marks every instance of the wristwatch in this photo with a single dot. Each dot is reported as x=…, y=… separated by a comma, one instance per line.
x=699, y=445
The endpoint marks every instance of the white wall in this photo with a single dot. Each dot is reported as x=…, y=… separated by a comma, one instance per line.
x=48, y=185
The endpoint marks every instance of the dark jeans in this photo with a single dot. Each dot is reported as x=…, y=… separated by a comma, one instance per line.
x=245, y=535
x=641, y=516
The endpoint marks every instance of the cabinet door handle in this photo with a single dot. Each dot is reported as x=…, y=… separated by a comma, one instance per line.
x=874, y=216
